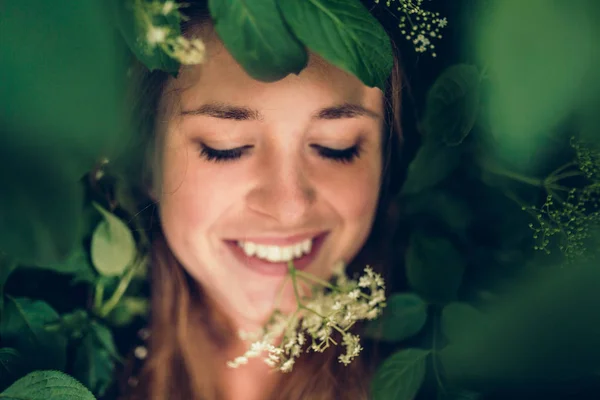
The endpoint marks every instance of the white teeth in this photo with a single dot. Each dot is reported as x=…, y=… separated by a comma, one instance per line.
x=307, y=245
x=276, y=253
x=249, y=248
x=298, y=250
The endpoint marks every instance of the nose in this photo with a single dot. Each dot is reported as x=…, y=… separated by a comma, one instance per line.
x=284, y=192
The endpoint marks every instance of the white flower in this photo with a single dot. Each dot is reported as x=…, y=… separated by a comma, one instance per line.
x=156, y=35
x=168, y=7
x=327, y=312
x=442, y=23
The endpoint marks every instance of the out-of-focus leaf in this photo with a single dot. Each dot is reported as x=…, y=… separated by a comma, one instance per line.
x=133, y=26
x=113, y=247
x=541, y=330
x=433, y=163
x=434, y=267
x=404, y=316
x=94, y=366
x=61, y=109
x=23, y=327
x=539, y=55
x=446, y=207
x=453, y=105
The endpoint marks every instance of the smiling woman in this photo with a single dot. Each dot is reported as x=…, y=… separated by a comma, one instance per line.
x=247, y=176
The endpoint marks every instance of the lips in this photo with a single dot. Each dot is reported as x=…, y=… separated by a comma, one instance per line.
x=275, y=268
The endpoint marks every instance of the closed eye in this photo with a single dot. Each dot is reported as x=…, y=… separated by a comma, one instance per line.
x=344, y=156
x=215, y=155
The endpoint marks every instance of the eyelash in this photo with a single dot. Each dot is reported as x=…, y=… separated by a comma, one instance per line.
x=344, y=156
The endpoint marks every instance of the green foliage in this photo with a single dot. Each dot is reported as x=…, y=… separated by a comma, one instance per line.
x=453, y=105
x=465, y=222
x=113, y=247
x=433, y=163
x=134, y=17
x=400, y=376
x=44, y=385
x=254, y=32
x=404, y=316
x=434, y=267
x=95, y=359
x=23, y=327
x=51, y=130
x=356, y=42
x=539, y=53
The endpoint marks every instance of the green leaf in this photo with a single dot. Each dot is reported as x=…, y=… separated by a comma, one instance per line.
x=455, y=317
x=23, y=326
x=434, y=267
x=11, y=366
x=131, y=17
x=45, y=385
x=93, y=365
x=39, y=222
x=453, y=105
x=113, y=247
x=400, y=376
x=257, y=37
x=444, y=206
x=404, y=316
x=77, y=263
x=127, y=309
x=432, y=164
x=104, y=337
x=541, y=72
x=344, y=33
x=60, y=111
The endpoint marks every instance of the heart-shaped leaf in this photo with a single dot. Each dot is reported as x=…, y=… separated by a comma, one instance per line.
x=355, y=41
x=404, y=316
x=45, y=385
x=256, y=36
x=113, y=246
x=453, y=104
x=400, y=376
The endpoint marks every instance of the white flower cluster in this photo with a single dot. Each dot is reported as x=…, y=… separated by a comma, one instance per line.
x=418, y=25
x=186, y=51
x=331, y=309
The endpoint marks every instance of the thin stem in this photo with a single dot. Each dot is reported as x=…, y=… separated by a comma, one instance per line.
x=314, y=279
x=120, y=291
x=569, y=174
x=99, y=294
x=562, y=168
x=436, y=372
x=517, y=177
x=278, y=298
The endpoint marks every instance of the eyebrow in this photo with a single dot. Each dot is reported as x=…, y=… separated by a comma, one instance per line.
x=240, y=113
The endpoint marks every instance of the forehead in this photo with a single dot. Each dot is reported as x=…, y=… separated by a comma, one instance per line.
x=221, y=79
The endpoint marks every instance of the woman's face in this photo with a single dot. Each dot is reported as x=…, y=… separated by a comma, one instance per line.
x=306, y=177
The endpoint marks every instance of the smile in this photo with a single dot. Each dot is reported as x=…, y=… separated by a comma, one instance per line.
x=277, y=253
x=271, y=259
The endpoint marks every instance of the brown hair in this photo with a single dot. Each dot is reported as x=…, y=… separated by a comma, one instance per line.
x=185, y=323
